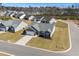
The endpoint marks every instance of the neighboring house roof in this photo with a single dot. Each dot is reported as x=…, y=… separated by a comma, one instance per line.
x=48, y=18
x=2, y=13
x=27, y=16
x=12, y=14
x=13, y=23
x=16, y=23
x=20, y=15
x=31, y=17
x=37, y=18
x=7, y=23
x=5, y=13
x=43, y=26
x=2, y=25
x=52, y=20
x=8, y=13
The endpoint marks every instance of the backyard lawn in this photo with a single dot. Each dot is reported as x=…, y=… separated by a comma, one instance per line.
x=58, y=42
x=12, y=37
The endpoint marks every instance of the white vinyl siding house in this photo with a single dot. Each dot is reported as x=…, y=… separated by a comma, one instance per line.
x=52, y=21
x=31, y=17
x=42, y=29
x=21, y=26
x=22, y=16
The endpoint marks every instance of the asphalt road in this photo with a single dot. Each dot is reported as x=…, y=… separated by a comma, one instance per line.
x=26, y=51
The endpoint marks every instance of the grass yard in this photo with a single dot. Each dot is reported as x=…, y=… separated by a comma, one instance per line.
x=2, y=54
x=12, y=37
x=5, y=18
x=28, y=22
x=58, y=42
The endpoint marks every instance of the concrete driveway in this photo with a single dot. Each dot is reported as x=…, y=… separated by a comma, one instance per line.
x=24, y=40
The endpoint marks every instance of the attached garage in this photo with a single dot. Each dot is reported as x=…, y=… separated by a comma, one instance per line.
x=32, y=33
x=11, y=29
x=28, y=32
x=44, y=34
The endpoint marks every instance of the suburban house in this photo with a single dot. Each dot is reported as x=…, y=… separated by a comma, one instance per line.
x=39, y=21
x=52, y=20
x=26, y=17
x=31, y=18
x=46, y=19
x=41, y=29
x=22, y=16
x=36, y=18
x=12, y=25
x=11, y=15
x=2, y=13
x=2, y=27
x=8, y=13
x=15, y=15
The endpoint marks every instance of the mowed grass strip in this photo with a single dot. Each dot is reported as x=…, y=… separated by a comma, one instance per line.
x=2, y=54
x=12, y=37
x=58, y=42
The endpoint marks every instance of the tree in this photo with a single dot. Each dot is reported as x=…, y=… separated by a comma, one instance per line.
x=72, y=6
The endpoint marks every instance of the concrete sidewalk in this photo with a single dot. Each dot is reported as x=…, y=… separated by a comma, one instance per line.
x=24, y=40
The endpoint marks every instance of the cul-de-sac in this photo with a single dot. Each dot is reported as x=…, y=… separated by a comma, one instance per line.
x=39, y=29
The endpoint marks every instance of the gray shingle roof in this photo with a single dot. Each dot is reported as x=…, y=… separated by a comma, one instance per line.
x=38, y=18
x=13, y=23
x=48, y=18
x=43, y=26
x=7, y=23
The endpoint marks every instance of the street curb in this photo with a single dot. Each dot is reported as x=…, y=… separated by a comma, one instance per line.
x=6, y=53
x=70, y=45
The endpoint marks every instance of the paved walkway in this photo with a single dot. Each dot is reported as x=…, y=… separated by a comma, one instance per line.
x=24, y=40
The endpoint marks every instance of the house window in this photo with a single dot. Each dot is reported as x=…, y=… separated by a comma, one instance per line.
x=41, y=34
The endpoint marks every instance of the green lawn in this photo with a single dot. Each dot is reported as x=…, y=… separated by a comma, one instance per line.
x=13, y=37
x=58, y=42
